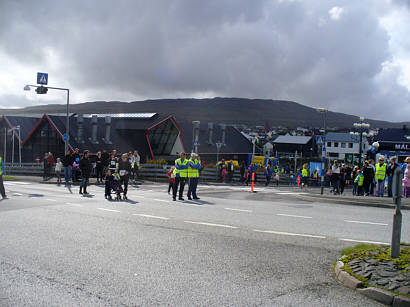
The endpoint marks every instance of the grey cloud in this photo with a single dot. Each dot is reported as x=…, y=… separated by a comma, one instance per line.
x=257, y=49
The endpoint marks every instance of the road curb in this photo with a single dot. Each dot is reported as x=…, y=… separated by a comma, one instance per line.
x=380, y=295
x=353, y=202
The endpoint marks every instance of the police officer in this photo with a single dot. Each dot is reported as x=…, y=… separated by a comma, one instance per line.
x=2, y=171
x=124, y=170
x=181, y=174
x=194, y=165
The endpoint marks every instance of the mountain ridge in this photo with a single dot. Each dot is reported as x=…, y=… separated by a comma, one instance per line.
x=229, y=110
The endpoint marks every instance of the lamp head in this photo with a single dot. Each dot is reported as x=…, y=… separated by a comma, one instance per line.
x=27, y=88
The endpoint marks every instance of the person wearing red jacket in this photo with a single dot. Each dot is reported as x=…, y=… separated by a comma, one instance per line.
x=171, y=179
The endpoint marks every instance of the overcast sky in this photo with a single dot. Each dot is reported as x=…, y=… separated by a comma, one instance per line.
x=348, y=56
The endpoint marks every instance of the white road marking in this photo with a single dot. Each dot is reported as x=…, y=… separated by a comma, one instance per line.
x=240, y=210
x=75, y=205
x=49, y=199
x=163, y=200
x=290, y=193
x=152, y=216
x=17, y=194
x=22, y=182
x=370, y=223
x=9, y=183
x=291, y=215
x=211, y=224
x=364, y=241
x=111, y=210
x=290, y=234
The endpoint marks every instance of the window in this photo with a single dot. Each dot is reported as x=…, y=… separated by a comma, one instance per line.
x=350, y=145
x=329, y=144
x=343, y=145
x=333, y=155
x=336, y=144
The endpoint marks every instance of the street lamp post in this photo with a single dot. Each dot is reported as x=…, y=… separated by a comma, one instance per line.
x=361, y=126
x=67, y=126
x=12, y=148
x=255, y=138
x=218, y=148
x=322, y=177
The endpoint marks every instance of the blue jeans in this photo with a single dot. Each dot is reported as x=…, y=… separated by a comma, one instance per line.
x=68, y=170
x=380, y=188
x=84, y=182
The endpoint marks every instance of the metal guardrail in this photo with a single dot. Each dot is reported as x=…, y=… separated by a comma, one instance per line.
x=153, y=172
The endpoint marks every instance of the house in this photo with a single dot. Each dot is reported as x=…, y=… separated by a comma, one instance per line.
x=289, y=144
x=394, y=142
x=338, y=144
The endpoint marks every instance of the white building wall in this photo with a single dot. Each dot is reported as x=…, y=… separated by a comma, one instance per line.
x=342, y=151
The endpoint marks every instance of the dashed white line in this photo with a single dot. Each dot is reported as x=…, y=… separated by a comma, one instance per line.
x=291, y=215
x=111, y=210
x=9, y=183
x=165, y=201
x=152, y=216
x=290, y=234
x=364, y=241
x=211, y=224
x=49, y=199
x=17, y=194
x=290, y=193
x=240, y=210
x=75, y=205
x=370, y=223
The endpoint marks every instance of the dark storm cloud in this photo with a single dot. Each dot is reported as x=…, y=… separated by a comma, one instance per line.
x=258, y=49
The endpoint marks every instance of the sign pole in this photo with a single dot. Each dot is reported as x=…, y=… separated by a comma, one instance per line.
x=397, y=217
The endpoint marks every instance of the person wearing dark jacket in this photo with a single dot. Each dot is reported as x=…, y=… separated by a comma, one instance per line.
x=368, y=173
x=86, y=168
x=68, y=161
x=99, y=167
x=390, y=172
x=124, y=169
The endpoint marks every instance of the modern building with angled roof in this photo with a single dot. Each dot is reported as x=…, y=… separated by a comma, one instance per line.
x=153, y=136
x=289, y=144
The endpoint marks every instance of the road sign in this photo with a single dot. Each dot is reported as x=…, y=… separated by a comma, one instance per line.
x=65, y=137
x=42, y=78
x=319, y=139
x=196, y=143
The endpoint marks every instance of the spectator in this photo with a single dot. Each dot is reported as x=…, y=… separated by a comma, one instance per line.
x=86, y=168
x=46, y=167
x=99, y=167
x=268, y=174
x=368, y=173
x=137, y=164
x=68, y=167
x=406, y=179
x=343, y=176
x=277, y=178
x=2, y=172
x=381, y=169
x=305, y=176
x=230, y=169
x=335, y=177
x=59, y=168
x=222, y=166
x=389, y=172
x=124, y=169
x=242, y=170
x=171, y=178
x=359, y=180
x=315, y=177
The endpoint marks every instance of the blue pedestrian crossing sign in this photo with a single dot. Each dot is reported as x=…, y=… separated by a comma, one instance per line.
x=42, y=78
x=65, y=137
x=319, y=139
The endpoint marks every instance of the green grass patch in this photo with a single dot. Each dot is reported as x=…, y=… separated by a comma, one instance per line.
x=358, y=249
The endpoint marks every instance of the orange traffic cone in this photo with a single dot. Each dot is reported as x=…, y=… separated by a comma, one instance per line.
x=298, y=181
x=253, y=181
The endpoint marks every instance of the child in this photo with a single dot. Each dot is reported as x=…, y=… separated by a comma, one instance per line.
x=116, y=185
x=59, y=167
x=171, y=179
x=277, y=178
x=359, y=181
x=109, y=178
x=246, y=177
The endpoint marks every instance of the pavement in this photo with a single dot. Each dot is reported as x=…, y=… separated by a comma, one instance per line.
x=231, y=247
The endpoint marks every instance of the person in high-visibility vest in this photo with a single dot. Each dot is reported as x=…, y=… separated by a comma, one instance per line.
x=305, y=176
x=359, y=181
x=181, y=174
x=194, y=165
x=2, y=171
x=380, y=175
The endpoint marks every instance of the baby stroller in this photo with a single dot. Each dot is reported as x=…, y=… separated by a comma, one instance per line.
x=117, y=188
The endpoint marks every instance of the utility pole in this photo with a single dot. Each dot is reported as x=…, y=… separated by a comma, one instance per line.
x=397, y=217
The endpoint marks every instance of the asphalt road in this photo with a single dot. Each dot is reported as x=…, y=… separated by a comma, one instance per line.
x=232, y=247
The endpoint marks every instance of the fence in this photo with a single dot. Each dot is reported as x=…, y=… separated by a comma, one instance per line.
x=154, y=172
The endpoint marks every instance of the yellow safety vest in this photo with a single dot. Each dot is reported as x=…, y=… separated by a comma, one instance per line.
x=305, y=172
x=359, y=180
x=1, y=169
x=315, y=175
x=381, y=171
x=183, y=173
x=193, y=172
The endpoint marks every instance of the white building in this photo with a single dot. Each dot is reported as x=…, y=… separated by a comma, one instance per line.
x=339, y=144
